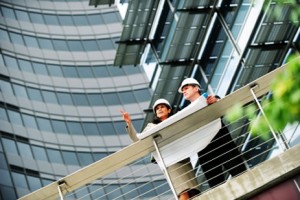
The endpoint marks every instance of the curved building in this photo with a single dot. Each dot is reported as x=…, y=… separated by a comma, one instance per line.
x=60, y=96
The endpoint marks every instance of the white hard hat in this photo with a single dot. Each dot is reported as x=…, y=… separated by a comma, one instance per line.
x=188, y=81
x=160, y=101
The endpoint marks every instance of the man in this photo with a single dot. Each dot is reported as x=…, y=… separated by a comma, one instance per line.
x=221, y=151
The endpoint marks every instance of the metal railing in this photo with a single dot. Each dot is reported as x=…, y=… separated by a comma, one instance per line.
x=129, y=174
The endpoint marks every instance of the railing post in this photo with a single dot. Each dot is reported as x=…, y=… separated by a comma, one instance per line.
x=263, y=113
x=156, y=137
x=61, y=184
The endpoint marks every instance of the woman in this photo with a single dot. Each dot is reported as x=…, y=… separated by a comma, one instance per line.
x=181, y=174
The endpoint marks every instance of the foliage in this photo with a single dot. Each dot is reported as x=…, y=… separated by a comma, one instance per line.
x=282, y=108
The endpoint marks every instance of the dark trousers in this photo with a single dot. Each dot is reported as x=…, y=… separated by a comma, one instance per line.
x=222, y=151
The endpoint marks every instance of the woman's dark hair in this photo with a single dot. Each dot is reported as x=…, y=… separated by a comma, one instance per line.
x=156, y=120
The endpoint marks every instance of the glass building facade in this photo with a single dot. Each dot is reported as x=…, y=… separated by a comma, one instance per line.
x=60, y=96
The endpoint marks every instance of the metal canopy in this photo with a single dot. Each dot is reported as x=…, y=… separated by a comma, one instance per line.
x=136, y=28
x=101, y=2
x=188, y=31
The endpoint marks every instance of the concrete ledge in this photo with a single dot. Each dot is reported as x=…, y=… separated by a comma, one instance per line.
x=259, y=178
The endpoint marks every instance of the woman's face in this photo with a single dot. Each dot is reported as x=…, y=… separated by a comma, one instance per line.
x=162, y=111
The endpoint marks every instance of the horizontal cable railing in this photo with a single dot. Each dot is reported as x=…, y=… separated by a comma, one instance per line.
x=129, y=173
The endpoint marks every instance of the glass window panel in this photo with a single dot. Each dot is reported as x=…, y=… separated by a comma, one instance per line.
x=60, y=45
x=111, y=99
x=95, y=99
x=3, y=163
x=46, y=181
x=10, y=62
x=142, y=95
x=25, y=65
x=161, y=186
x=45, y=44
x=20, y=91
x=9, y=146
x=106, y=128
x=40, y=68
x=127, y=97
x=6, y=87
x=49, y=97
x=99, y=155
x=51, y=19
x=97, y=191
x=80, y=100
x=138, y=124
x=4, y=35
x=19, y=180
x=114, y=192
x=130, y=192
x=39, y=153
x=83, y=193
x=65, y=20
x=95, y=19
x=54, y=156
x=105, y=44
x=16, y=38
x=80, y=20
x=75, y=45
x=85, y=158
x=146, y=189
x=55, y=70
x=85, y=72
x=14, y=117
x=44, y=124
x=75, y=128
x=22, y=16
x=114, y=42
x=110, y=18
x=64, y=98
x=90, y=45
x=8, y=12
x=36, y=18
x=24, y=150
x=116, y=71
x=70, y=158
x=1, y=60
x=34, y=183
x=132, y=70
x=5, y=178
x=29, y=121
x=59, y=126
x=100, y=71
x=31, y=41
x=8, y=193
x=3, y=115
x=90, y=128
x=119, y=127
x=69, y=71
x=34, y=94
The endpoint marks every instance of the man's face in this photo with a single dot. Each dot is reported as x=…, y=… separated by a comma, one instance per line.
x=190, y=92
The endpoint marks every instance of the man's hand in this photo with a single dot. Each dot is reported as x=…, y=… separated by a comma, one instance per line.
x=211, y=99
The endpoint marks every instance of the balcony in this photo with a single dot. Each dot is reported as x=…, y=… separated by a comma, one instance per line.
x=128, y=173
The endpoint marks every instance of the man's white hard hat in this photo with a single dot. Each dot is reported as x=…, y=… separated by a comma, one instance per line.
x=161, y=101
x=188, y=81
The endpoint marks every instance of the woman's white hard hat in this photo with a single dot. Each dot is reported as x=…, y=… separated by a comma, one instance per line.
x=188, y=81
x=160, y=101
